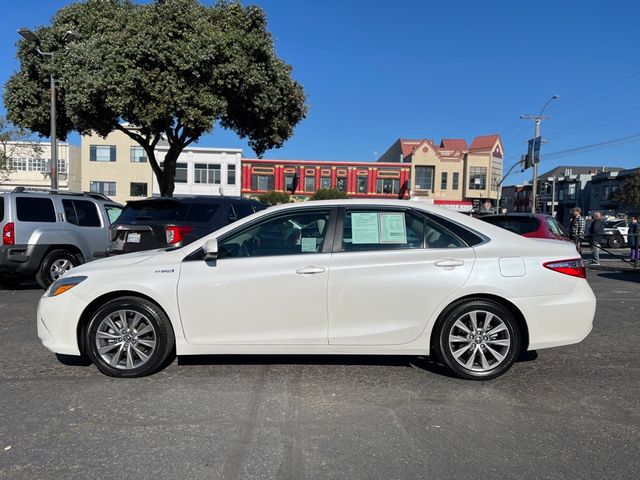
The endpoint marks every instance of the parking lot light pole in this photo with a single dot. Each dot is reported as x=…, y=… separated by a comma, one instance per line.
x=53, y=166
x=33, y=37
x=538, y=120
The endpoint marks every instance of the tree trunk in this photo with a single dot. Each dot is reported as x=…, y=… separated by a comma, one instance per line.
x=166, y=180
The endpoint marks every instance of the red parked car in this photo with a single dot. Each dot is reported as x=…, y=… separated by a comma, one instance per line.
x=534, y=225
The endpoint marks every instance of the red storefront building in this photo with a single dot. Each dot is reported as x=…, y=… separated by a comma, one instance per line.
x=357, y=179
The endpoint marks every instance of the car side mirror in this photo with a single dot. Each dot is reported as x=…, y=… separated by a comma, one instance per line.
x=210, y=248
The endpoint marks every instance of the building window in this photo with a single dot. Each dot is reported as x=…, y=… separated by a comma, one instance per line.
x=443, y=181
x=105, y=188
x=138, y=189
x=388, y=186
x=207, y=173
x=309, y=184
x=62, y=166
x=572, y=191
x=288, y=181
x=597, y=193
x=496, y=173
x=19, y=164
x=102, y=153
x=231, y=174
x=37, y=165
x=262, y=182
x=455, y=181
x=138, y=155
x=362, y=184
x=606, y=193
x=477, y=178
x=181, y=173
x=424, y=178
x=325, y=182
x=341, y=184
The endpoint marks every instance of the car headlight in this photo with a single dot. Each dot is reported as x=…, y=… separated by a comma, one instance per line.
x=64, y=284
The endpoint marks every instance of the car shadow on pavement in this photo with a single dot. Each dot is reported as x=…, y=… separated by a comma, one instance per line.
x=23, y=286
x=624, y=276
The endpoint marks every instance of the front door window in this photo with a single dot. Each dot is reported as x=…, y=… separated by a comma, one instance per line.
x=301, y=232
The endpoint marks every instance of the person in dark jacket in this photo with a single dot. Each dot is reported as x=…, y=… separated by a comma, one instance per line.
x=596, y=233
x=632, y=239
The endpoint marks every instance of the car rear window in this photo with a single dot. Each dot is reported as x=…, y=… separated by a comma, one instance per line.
x=167, y=211
x=33, y=209
x=519, y=225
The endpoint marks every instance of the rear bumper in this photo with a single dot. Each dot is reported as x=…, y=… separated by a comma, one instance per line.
x=21, y=259
x=557, y=320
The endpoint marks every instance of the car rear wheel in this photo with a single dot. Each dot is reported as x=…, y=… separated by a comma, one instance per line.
x=129, y=337
x=615, y=241
x=55, y=264
x=478, y=340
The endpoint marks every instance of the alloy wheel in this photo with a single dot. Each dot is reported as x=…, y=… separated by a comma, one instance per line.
x=59, y=268
x=479, y=341
x=125, y=339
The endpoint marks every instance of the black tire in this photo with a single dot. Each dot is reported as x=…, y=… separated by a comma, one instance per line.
x=10, y=280
x=162, y=330
x=615, y=241
x=445, y=349
x=44, y=276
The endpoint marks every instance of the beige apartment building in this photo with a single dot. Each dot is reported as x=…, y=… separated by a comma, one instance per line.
x=451, y=172
x=115, y=166
x=118, y=167
x=29, y=165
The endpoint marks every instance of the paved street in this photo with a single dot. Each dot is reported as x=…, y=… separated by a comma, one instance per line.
x=572, y=412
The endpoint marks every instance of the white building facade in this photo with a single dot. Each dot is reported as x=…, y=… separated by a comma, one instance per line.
x=205, y=171
x=29, y=165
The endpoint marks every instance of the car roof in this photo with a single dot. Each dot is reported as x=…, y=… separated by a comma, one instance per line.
x=198, y=199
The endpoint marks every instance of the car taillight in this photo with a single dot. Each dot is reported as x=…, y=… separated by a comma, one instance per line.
x=175, y=234
x=573, y=267
x=9, y=234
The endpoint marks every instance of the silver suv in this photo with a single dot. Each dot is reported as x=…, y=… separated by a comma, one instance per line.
x=47, y=233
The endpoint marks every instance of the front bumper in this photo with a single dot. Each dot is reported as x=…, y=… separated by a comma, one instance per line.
x=57, y=319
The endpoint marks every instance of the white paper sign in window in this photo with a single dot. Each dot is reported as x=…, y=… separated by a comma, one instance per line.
x=392, y=228
x=364, y=228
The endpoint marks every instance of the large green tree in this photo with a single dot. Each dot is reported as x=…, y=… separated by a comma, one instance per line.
x=174, y=69
x=629, y=195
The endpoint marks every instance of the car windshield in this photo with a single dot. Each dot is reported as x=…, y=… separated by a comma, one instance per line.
x=167, y=211
x=519, y=225
x=615, y=224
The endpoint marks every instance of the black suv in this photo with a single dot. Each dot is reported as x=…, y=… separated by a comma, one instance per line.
x=174, y=222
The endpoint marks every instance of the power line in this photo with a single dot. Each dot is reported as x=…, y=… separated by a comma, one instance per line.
x=593, y=146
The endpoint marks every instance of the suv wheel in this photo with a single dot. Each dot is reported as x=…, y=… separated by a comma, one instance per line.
x=615, y=241
x=54, y=265
x=129, y=337
x=478, y=340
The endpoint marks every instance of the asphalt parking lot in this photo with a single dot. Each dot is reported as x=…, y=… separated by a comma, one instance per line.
x=571, y=412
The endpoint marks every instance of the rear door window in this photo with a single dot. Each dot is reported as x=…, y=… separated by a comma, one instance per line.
x=33, y=209
x=519, y=225
x=201, y=212
x=82, y=213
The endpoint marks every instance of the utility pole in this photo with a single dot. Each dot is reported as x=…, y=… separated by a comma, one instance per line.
x=534, y=148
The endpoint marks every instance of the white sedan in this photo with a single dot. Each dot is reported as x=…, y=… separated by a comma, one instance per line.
x=333, y=277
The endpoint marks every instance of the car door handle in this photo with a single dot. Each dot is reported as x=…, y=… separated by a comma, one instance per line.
x=449, y=263
x=310, y=270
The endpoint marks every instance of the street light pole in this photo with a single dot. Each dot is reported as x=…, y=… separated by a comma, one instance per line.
x=537, y=134
x=32, y=37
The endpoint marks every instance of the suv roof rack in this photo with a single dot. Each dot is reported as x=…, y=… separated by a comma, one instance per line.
x=97, y=196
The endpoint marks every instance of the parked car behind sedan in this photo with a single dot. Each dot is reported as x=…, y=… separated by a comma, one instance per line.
x=327, y=277
x=529, y=225
x=174, y=222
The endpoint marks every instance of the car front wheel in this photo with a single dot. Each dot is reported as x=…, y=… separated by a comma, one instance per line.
x=129, y=337
x=478, y=340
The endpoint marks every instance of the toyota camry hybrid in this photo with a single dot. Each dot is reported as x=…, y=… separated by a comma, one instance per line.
x=329, y=277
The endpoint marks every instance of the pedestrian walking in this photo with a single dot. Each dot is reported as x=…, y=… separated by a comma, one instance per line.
x=576, y=227
x=596, y=233
x=632, y=239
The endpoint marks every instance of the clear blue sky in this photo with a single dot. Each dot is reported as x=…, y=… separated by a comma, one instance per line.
x=375, y=71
